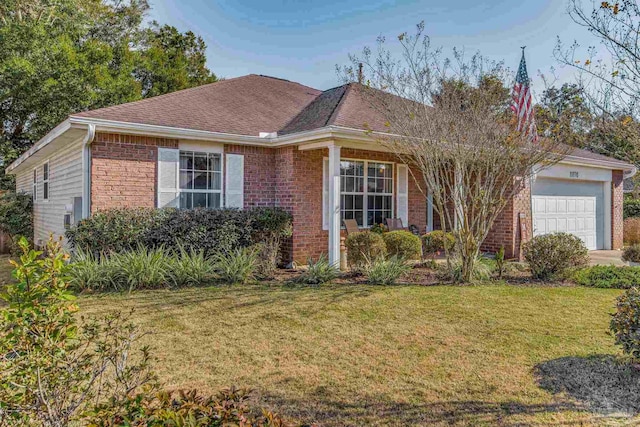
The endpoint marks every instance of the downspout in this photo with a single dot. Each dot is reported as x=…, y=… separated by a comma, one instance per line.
x=86, y=170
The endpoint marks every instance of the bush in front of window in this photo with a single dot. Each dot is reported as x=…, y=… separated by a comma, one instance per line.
x=435, y=242
x=212, y=231
x=363, y=248
x=403, y=244
x=114, y=230
x=552, y=254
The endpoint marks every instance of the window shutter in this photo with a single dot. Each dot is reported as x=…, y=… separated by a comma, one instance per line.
x=325, y=194
x=168, y=187
x=234, y=181
x=402, y=195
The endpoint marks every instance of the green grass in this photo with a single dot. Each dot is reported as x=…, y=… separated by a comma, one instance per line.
x=404, y=355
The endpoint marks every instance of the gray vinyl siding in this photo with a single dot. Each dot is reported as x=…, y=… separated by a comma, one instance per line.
x=65, y=183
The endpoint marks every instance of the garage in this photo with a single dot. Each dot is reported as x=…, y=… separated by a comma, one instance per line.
x=572, y=205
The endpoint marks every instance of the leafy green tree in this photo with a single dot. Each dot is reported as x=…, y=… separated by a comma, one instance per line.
x=64, y=56
x=170, y=60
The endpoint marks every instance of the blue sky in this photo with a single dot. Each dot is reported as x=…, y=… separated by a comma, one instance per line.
x=304, y=40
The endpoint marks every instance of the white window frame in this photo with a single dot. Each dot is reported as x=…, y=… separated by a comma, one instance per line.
x=365, y=194
x=34, y=185
x=195, y=150
x=46, y=181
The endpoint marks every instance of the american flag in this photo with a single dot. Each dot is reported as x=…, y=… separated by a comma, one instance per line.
x=523, y=102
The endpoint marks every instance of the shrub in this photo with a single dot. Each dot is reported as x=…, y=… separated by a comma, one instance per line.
x=319, y=272
x=631, y=253
x=553, y=254
x=386, y=271
x=403, y=244
x=228, y=407
x=631, y=231
x=436, y=241
x=378, y=228
x=190, y=268
x=141, y=268
x=608, y=276
x=631, y=208
x=54, y=368
x=115, y=230
x=364, y=247
x=236, y=267
x=16, y=216
x=625, y=324
x=210, y=230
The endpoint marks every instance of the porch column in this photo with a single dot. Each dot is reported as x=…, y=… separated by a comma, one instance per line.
x=334, y=204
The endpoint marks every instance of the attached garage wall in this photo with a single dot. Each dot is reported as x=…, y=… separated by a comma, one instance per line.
x=577, y=200
x=575, y=207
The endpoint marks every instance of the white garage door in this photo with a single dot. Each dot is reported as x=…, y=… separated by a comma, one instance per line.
x=570, y=214
x=574, y=207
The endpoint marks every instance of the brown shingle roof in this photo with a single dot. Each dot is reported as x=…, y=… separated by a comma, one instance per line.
x=252, y=104
x=341, y=106
x=245, y=105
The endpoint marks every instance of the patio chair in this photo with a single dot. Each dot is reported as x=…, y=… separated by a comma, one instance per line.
x=394, y=224
x=351, y=225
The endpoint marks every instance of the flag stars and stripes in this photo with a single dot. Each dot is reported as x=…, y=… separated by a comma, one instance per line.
x=522, y=104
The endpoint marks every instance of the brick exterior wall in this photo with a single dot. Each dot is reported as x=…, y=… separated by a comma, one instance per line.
x=617, y=199
x=123, y=170
x=259, y=174
x=506, y=229
x=124, y=174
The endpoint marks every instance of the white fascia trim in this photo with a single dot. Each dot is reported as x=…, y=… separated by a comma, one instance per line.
x=603, y=164
x=43, y=142
x=103, y=125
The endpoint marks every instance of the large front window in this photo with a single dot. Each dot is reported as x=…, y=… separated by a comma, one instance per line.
x=366, y=191
x=200, y=180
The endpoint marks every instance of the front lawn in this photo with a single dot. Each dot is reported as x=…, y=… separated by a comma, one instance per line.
x=405, y=355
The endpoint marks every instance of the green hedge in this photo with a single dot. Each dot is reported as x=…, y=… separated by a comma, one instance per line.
x=210, y=230
x=16, y=215
x=608, y=276
x=631, y=208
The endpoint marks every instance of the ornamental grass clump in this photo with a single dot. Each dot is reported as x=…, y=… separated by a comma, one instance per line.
x=142, y=268
x=190, y=268
x=237, y=266
x=319, y=272
x=386, y=271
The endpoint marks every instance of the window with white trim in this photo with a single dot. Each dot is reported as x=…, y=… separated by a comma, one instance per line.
x=34, y=185
x=366, y=191
x=45, y=181
x=200, y=180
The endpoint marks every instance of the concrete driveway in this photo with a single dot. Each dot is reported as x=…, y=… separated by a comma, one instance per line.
x=606, y=258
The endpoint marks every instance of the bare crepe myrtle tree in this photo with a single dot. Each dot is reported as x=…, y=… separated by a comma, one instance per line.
x=450, y=121
x=609, y=73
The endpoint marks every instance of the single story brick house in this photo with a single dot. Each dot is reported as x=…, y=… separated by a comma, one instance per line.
x=263, y=141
